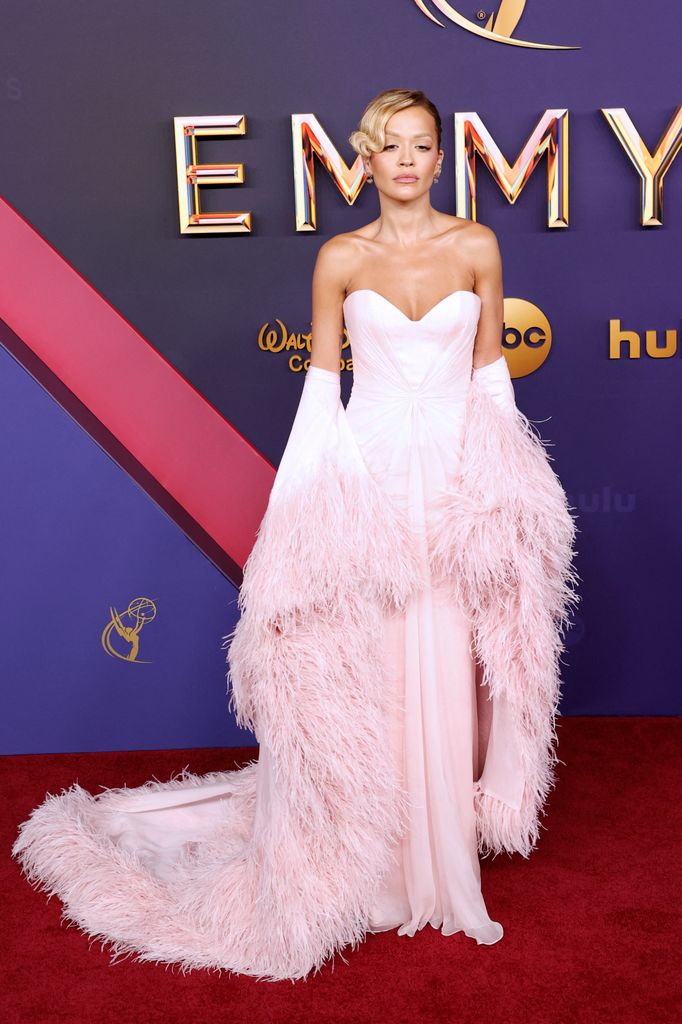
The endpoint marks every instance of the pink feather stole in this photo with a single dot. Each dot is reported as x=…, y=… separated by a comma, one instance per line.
x=333, y=552
x=505, y=543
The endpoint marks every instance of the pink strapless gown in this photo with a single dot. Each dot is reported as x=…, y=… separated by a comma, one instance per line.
x=261, y=870
x=406, y=411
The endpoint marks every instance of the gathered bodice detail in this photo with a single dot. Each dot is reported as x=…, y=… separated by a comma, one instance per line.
x=411, y=380
x=399, y=357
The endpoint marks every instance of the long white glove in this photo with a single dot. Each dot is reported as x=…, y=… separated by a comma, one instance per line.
x=315, y=430
x=495, y=379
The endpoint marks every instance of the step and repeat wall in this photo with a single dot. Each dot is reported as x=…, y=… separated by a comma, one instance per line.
x=188, y=162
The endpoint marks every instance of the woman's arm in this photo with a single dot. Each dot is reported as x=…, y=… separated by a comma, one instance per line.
x=329, y=289
x=487, y=262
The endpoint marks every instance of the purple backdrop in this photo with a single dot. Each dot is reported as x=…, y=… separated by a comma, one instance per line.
x=87, y=100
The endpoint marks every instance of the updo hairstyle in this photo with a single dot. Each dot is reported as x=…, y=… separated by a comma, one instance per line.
x=370, y=135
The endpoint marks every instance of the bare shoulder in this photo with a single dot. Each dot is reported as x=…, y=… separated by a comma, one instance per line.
x=338, y=247
x=480, y=248
x=338, y=256
x=464, y=236
x=481, y=241
x=479, y=238
x=351, y=241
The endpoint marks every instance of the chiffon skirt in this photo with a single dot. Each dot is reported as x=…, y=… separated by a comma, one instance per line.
x=432, y=696
x=435, y=878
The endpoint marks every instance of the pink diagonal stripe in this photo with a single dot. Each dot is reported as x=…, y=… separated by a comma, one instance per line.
x=203, y=461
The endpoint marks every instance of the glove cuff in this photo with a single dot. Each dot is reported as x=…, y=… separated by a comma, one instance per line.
x=314, y=432
x=495, y=379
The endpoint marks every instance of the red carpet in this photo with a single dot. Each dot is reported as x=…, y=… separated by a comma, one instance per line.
x=592, y=919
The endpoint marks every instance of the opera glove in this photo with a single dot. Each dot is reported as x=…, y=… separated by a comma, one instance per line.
x=495, y=380
x=315, y=430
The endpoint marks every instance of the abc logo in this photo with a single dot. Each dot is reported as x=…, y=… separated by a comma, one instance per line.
x=526, y=337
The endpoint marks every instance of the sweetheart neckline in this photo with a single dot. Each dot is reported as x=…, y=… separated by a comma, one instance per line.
x=460, y=291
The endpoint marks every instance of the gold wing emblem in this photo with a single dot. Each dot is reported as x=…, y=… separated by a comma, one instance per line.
x=499, y=27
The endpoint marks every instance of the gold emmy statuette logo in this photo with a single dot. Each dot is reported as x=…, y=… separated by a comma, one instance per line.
x=128, y=626
x=498, y=27
x=526, y=337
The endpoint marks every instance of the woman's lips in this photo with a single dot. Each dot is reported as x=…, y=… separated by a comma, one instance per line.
x=406, y=178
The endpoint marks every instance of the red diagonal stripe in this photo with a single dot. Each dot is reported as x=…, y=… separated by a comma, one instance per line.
x=211, y=470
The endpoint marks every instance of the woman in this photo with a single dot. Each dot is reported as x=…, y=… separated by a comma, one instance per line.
x=398, y=646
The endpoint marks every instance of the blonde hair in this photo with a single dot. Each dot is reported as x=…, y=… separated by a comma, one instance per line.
x=370, y=135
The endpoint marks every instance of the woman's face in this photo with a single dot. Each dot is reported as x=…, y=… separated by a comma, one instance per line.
x=410, y=152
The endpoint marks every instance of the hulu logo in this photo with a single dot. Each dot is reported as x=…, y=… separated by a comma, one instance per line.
x=628, y=344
